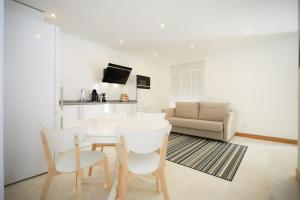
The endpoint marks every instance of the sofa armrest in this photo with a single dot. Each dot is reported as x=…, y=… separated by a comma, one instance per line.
x=230, y=122
x=170, y=112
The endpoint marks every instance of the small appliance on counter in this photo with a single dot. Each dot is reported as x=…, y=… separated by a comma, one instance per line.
x=124, y=98
x=95, y=96
x=102, y=97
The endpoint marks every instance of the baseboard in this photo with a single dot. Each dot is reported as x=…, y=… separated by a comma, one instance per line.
x=268, y=138
x=298, y=175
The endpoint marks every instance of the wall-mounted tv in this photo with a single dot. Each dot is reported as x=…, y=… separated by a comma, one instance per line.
x=116, y=74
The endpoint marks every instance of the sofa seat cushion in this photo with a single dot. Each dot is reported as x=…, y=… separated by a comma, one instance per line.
x=187, y=110
x=213, y=111
x=196, y=124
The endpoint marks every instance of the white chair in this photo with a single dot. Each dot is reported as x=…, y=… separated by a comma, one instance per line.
x=143, y=115
x=141, y=153
x=63, y=155
x=106, y=141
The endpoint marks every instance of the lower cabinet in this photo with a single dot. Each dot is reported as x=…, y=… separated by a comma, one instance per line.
x=72, y=113
x=121, y=108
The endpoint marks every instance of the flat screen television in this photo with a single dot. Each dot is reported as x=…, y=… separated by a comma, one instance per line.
x=116, y=74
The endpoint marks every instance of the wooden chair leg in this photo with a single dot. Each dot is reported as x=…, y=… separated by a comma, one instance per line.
x=163, y=182
x=46, y=186
x=91, y=168
x=120, y=176
x=157, y=184
x=78, y=186
x=106, y=173
x=124, y=183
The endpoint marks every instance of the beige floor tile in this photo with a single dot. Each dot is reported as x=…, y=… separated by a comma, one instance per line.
x=266, y=173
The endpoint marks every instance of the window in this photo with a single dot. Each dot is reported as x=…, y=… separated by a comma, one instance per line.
x=187, y=82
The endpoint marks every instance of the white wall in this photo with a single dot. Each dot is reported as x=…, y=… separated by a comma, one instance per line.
x=1, y=100
x=298, y=120
x=298, y=88
x=259, y=77
x=82, y=64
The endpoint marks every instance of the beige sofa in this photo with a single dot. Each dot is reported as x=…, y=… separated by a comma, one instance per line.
x=203, y=119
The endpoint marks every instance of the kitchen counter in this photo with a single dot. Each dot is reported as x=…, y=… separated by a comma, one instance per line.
x=89, y=102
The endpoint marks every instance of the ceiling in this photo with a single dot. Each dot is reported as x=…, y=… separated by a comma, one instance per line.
x=137, y=22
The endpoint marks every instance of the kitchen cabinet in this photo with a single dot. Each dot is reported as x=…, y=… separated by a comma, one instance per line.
x=90, y=111
x=121, y=108
x=72, y=113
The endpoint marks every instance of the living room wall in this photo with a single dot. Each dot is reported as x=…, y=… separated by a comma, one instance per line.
x=259, y=76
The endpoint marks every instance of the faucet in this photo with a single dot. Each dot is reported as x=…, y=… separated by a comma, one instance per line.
x=82, y=95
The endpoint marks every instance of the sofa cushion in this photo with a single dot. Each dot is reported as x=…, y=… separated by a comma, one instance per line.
x=187, y=110
x=213, y=111
x=196, y=124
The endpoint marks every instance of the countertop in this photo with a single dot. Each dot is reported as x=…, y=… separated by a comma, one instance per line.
x=89, y=102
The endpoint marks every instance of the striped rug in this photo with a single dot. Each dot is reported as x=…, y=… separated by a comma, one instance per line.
x=217, y=158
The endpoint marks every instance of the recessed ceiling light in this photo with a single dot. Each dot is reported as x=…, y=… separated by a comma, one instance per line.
x=192, y=45
x=121, y=42
x=38, y=36
x=53, y=15
x=248, y=32
x=155, y=54
x=162, y=25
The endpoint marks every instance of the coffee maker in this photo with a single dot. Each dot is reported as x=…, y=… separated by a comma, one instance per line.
x=95, y=96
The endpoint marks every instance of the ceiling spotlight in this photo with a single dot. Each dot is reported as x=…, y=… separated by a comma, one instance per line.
x=38, y=36
x=121, y=42
x=53, y=15
x=162, y=25
x=155, y=54
x=192, y=45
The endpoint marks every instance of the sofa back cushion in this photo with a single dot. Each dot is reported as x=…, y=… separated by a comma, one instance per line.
x=187, y=110
x=213, y=111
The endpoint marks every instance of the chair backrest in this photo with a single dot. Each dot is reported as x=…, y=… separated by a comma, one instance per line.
x=60, y=141
x=151, y=115
x=143, y=142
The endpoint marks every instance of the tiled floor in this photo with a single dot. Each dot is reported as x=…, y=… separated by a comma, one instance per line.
x=267, y=172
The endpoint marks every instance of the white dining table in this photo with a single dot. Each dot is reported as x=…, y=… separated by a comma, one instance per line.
x=102, y=130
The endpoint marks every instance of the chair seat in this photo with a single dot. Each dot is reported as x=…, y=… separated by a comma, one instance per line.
x=67, y=162
x=143, y=163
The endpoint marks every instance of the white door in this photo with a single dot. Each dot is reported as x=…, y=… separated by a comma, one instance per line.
x=29, y=93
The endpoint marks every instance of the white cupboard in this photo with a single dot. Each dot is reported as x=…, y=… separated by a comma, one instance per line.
x=90, y=111
x=29, y=90
x=72, y=113
x=124, y=108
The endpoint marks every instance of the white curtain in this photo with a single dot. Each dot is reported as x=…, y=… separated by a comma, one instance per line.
x=187, y=82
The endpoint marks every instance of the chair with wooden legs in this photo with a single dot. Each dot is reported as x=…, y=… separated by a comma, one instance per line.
x=107, y=141
x=141, y=153
x=63, y=155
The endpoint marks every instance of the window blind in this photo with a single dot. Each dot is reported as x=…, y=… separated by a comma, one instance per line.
x=187, y=82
